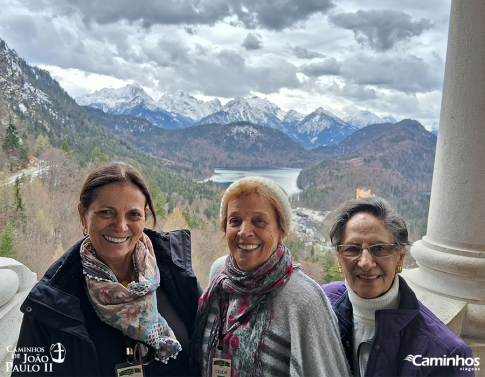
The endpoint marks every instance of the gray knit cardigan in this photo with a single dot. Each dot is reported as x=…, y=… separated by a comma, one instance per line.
x=303, y=338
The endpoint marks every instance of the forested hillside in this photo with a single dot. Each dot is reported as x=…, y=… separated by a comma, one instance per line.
x=144, y=135
x=238, y=144
x=395, y=161
x=50, y=136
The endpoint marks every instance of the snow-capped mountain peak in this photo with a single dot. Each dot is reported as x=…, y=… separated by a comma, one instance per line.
x=257, y=105
x=389, y=119
x=254, y=110
x=188, y=106
x=317, y=121
x=117, y=101
x=293, y=115
x=364, y=118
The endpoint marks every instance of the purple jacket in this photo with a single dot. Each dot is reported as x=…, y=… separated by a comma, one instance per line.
x=404, y=338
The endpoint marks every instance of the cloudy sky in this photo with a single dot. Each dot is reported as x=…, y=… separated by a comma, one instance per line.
x=385, y=56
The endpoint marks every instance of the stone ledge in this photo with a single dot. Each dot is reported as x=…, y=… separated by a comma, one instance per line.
x=16, y=281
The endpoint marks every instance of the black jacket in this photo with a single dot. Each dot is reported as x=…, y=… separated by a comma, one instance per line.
x=57, y=310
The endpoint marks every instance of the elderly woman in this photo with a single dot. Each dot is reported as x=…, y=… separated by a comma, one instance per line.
x=384, y=329
x=261, y=315
x=122, y=296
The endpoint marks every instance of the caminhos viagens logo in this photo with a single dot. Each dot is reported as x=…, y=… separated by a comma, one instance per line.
x=466, y=363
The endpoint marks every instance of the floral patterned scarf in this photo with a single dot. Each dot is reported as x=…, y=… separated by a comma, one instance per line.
x=131, y=309
x=231, y=295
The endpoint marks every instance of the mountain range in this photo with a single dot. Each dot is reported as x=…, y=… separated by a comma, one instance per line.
x=182, y=110
x=237, y=144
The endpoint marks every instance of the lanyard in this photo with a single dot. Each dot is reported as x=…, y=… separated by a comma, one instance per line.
x=134, y=354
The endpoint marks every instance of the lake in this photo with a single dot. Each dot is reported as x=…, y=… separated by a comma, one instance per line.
x=286, y=177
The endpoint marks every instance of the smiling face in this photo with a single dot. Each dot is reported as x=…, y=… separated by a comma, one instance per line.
x=252, y=231
x=115, y=221
x=369, y=277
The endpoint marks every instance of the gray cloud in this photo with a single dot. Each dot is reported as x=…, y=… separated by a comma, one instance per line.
x=253, y=41
x=226, y=73
x=303, y=53
x=117, y=51
x=190, y=30
x=408, y=74
x=329, y=66
x=356, y=93
x=269, y=14
x=167, y=53
x=380, y=29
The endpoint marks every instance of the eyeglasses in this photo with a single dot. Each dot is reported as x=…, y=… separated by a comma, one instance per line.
x=377, y=251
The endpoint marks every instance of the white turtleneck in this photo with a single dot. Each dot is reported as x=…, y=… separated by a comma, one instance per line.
x=364, y=321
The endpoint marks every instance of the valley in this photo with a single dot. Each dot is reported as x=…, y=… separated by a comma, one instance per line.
x=184, y=143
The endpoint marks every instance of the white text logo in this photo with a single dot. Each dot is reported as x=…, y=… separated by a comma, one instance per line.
x=458, y=361
x=58, y=353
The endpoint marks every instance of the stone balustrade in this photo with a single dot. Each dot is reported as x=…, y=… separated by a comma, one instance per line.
x=16, y=280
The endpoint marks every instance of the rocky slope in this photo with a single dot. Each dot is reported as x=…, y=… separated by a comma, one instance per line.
x=37, y=105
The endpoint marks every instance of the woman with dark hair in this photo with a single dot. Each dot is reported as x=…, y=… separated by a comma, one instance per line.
x=384, y=329
x=261, y=315
x=121, y=299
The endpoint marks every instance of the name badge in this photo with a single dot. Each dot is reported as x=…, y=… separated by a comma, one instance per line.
x=221, y=367
x=129, y=370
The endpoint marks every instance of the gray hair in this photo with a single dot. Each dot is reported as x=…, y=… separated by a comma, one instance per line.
x=378, y=207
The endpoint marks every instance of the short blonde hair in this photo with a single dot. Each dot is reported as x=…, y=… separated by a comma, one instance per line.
x=245, y=187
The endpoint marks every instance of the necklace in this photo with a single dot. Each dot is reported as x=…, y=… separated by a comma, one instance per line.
x=126, y=280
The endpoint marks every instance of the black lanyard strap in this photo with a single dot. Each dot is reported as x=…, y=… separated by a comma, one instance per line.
x=134, y=352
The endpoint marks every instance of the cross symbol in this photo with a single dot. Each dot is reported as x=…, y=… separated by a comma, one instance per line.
x=59, y=351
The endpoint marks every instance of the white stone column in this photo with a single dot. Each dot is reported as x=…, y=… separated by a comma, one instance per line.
x=450, y=279
x=16, y=280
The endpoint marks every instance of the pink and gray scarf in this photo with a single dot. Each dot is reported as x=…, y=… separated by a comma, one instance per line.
x=231, y=295
x=131, y=309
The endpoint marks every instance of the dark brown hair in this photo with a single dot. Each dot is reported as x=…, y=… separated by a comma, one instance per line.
x=115, y=172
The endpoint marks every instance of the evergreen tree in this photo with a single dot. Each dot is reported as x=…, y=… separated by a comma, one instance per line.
x=7, y=241
x=171, y=204
x=65, y=147
x=159, y=204
x=192, y=220
x=153, y=186
x=330, y=268
x=24, y=156
x=97, y=157
x=18, y=197
x=11, y=139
